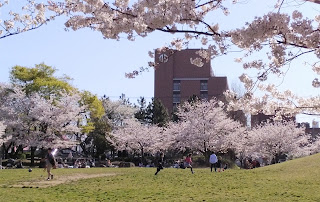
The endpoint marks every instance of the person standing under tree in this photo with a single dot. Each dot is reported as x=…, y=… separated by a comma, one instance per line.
x=218, y=164
x=50, y=163
x=160, y=163
x=213, y=160
x=188, y=162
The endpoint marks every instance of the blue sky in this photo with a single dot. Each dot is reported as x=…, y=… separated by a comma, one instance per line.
x=99, y=65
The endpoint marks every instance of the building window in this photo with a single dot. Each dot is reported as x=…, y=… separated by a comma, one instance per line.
x=176, y=97
x=203, y=85
x=204, y=95
x=176, y=85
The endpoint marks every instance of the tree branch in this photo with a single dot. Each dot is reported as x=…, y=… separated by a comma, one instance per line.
x=183, y=31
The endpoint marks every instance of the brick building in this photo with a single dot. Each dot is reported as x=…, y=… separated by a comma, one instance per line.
x=263, y=118
x=176, y=79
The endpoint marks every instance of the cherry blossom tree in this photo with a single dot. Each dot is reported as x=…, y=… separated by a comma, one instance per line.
x=35, y=122
x=118, y=112
x=270, y=140
x=25, y=16
x=278, y=37
x=205, y=127
x=134, y=136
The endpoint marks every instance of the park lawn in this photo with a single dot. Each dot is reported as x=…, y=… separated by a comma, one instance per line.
x=296, y=180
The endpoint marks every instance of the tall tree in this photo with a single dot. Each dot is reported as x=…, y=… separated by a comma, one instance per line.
x=271, y=140
x=97, y=137
x=117, y=112
x=94, y=105
x=141, y=114
x=94, y=110
x=40, y=79
x=157, y=113
x=33, y=121
x=94, y=125
x=135, y=136
x=204, y=127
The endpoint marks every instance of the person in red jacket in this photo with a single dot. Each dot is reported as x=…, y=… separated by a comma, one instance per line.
x=188, y=162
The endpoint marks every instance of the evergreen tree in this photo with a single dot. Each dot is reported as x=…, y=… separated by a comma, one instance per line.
x=141, y=114
x=98, y=137
x=157, y=113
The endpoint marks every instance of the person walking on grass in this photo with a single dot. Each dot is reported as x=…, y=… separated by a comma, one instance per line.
x=50, y=163
x=188, y=162
x=213, y=160
x=160, y=163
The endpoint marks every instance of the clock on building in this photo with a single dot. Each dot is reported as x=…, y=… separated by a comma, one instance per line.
x=163, y=58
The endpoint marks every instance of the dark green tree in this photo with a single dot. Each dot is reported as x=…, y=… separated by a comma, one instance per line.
x=97, y=137
x=141, y=114
x=157, y=113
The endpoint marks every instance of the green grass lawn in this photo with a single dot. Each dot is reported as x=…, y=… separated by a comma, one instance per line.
x=296, y=180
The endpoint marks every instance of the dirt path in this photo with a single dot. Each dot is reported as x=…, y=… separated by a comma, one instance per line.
x=60, y=180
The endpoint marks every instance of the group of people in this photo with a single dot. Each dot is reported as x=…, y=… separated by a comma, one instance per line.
x=215, y=162
x=84, y=163
x=160, y=163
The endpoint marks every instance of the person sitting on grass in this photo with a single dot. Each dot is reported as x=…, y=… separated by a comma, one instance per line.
x=109, y=164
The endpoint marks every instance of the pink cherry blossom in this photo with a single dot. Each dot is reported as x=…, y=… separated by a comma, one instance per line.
x=37, y=122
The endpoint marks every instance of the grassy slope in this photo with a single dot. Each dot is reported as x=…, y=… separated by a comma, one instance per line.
x=296, y=180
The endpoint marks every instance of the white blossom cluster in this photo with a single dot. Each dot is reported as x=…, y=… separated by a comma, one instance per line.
x=281, y=37
x=274, y=139
x=34, y=121
x=136, y=136
x=118, y=112
x=273, y=102
x=205, y=128
x=31, y=16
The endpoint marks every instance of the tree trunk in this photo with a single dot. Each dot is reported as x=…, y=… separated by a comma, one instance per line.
x=1, y=156
x=19, y=149
x=142, y=156
x=83, y=147
x=3, y=151
x=33, y=149
x=6, y=150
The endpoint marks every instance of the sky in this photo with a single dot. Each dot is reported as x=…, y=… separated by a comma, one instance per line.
x=99, y=65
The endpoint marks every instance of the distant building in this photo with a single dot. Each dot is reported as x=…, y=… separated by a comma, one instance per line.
x=176, y=79
x=314, y=131
x=263, y=118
